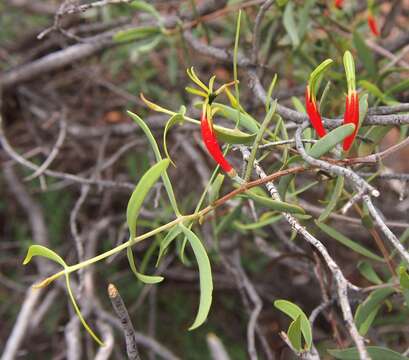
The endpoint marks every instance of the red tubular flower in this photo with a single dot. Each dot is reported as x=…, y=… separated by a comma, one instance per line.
x=339, y=3
x=313, y=113
x=373, y=25
x=351, y=117
x=210, y=140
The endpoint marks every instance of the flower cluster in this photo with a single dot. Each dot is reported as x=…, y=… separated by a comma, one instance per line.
x=372, y=24
x=206, y=124
x=351, y=115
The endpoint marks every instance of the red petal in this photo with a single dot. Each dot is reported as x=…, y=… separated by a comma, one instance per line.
x=373, y=25
x=212, y=146
x=314, y=115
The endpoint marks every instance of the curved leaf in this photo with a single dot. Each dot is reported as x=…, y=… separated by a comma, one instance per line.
x=39, y=250
x=155, y=148
x=78, y=312
x=205, y=275
x=170, y=236
x=140, y=192
x=329, y=141
x=374, y=299
x=294, y=311
x=233, y=136
x=146, y=279
x=294, y=333
x=368, y=272
x=274, y=204
x=178, y=118
x=335, y=194
x=136, y=33
x=238, y=117
x=348, y=242
x=375, y=352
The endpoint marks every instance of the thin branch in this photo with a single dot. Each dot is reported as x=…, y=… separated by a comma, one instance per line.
x=127, y=327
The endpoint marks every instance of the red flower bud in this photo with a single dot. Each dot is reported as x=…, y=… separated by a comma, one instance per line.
x=339, y=3
x=373, y=25
x=210, y=140
x=351, y=116
x=313, y=113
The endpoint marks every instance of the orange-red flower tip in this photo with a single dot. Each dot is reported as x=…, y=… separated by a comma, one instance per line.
x=339, y=3
x=313, y=113
x=373, y=26
x=351, y=116
x=210, y=141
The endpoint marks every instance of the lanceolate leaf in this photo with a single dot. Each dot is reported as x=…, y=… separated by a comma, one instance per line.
x=294, y=311
x=274, y=204
x=140, y=192
x=214, y=190
x=369, y=273
x=175, y=119
x=328, y=142
x=205, y=275
x=38, y=250
x=289, y=24
x=170, y=236
x=136, y=33
x=366, y=55
x=78, y=312
x=238, y=117
x=375, y=352
x=155, y=148
x=233, y=136
x=146, y=279
x=374, y=299
x=335, y=194
x=348, y=242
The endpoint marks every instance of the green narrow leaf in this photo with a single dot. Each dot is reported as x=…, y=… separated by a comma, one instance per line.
x=39, y=250
x=348, y=242
x=375, y=91
x=298, y=105
x=369, y=273
x=366, y=324
x=270, y=92
x=146, y=279
x=144, y=6
x=78, y=312
x=233, y=136
x=140, y=192
x=178, y=118
x=372, y=138
x=289, y=24
x=403, y=277
x=366, y=55
x=136, y=33
x=374, y=299
x=273, y=204
x=155, y=148
x=283, y=185
x=294, y=311
x=329, y=141
x=375, y=352
x=214, y=190
x=238, y=117
x=170, y=236
x=294, y=333
x=335, y=194
x=205, y=276
x=266, y=219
